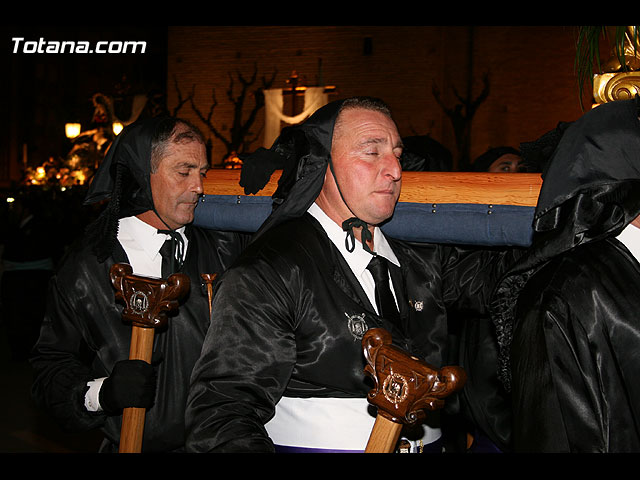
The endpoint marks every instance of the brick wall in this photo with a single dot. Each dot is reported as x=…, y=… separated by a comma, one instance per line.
x=530, y=69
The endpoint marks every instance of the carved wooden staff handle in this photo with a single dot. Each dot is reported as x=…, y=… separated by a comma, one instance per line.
x=404, y=388
x=147, y=302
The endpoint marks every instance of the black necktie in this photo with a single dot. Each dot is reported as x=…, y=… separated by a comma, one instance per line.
x=167, y=258
x=384, y=298
x=172, y=252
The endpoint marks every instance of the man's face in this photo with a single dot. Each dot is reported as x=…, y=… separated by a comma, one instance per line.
x=365, y=152
x=507, y=163
x=176, y=185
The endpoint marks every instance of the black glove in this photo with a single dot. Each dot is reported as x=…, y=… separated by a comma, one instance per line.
x=257, y=169
x=132, y=383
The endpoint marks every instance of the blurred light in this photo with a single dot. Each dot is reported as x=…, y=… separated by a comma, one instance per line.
x=72, y=130
x=117, y=128
x=79, y=176
x=10, y=199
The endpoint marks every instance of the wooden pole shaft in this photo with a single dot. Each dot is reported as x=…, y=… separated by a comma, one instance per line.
x=208, y=279
x=210, y=296
x=133, y=418
x=384, y=436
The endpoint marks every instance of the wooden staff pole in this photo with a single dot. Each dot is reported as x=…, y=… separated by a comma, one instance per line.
x=133, y=417
x=404, y=387
x=384, y=436
x=147, y=301
x=208, y=279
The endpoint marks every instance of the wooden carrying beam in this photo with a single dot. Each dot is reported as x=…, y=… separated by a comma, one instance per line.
x=420, y=187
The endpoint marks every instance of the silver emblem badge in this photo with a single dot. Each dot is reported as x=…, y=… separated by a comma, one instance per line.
x=395, y=388
x=417, y=305
x=139, y=302
x=357, y=325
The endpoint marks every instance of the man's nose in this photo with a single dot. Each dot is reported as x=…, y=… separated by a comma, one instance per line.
x=392, y=167
x=197, y=185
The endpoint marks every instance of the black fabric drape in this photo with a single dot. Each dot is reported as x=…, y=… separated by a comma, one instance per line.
x=564, y=314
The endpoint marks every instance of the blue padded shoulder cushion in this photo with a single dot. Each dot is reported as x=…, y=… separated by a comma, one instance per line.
x=456, y=223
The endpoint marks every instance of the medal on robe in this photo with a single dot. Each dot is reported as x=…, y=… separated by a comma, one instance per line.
x=417, y=305
x=356, y=324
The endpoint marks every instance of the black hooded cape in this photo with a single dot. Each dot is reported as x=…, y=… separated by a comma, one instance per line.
x=566, y=313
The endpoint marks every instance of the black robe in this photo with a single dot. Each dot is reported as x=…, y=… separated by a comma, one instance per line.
x=288, y=321
x=575, y=356
x=566, y=314
x=83, y=336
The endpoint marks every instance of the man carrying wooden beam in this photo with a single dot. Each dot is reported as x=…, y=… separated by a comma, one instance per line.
x=282, y=367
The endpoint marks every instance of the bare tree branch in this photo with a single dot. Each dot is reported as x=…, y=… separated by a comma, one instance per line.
x=461, y=116
x=181, y=101
x=240, y=136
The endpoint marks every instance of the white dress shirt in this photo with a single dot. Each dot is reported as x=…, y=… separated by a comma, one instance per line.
x=359, y=258
x=141, y=243
x=630, y=237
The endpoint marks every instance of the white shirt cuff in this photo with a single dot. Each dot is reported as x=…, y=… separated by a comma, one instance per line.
x=91, y=399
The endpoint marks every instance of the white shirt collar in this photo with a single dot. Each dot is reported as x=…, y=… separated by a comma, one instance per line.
x=630, y=237
x=146, y=236
x=142, y=243
x=359, y=258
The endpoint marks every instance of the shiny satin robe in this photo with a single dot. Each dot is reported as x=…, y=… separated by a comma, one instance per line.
x=566, y=313
x=575, y=359
x=83, y=336
x=289, y=318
